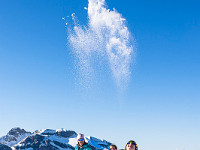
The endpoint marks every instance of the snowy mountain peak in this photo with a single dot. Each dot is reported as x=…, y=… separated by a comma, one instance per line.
x=14, y=136
x=16, y=132
x=58, y=132
x=46, y=132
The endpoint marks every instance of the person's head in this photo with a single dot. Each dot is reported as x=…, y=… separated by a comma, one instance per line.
x=131, y=145
x=112, y=147
x=80, y=139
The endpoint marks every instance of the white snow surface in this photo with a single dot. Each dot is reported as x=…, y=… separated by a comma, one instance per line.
x=72, y=141
x=12, y=142
x=61, y=129
x=50, y=131
x=46, y=131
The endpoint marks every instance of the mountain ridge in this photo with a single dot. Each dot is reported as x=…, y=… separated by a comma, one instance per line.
x=47, y=139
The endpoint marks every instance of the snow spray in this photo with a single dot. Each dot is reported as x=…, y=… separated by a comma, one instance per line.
x=106, y=36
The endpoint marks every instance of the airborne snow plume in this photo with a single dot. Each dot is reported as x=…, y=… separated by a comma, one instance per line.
x=107, y=37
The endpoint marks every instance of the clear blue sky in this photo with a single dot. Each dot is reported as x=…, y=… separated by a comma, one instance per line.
x=160, y=107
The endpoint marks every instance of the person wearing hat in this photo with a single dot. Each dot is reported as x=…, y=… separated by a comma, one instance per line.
x=131, y=145
x=112, y=147
x=82, y=145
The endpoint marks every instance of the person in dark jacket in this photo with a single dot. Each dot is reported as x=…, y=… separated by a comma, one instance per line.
x=131, y=145
x=82, y=145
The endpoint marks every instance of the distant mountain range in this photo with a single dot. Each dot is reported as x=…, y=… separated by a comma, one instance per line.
x=46, y=139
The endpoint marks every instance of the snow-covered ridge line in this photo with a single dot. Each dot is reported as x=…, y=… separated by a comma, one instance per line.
x=48, y=139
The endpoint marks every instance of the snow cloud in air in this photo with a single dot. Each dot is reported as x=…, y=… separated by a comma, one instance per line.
x=105, y=37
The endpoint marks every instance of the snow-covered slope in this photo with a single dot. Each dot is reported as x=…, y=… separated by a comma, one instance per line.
x=49, y=139
x=97, y=143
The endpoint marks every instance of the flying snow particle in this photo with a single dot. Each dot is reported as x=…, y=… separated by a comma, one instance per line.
x=105, y=35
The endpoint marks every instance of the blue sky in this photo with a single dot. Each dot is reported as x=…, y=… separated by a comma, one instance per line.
x=38, y=79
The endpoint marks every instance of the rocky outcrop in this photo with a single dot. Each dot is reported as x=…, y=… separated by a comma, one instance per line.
x=4, y=147
x=66, y=134
x=41, y=142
